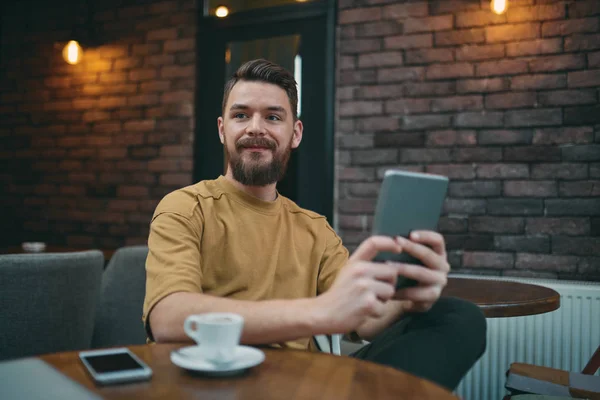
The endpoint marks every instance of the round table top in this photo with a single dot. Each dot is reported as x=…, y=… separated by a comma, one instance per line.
x=498, y=298
x=285, y=374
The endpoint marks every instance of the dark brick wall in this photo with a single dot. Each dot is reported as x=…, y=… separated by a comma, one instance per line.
x=507, y=106
x=88, y=150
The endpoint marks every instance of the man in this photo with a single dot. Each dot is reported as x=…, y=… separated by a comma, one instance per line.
x=235, y=245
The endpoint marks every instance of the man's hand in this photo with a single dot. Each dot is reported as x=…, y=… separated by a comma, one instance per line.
x=362, y=287
x=430, y=248
x=359, y=297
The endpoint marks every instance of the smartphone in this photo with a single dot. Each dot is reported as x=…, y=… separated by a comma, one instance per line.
x=118, y=365
x=407, y=201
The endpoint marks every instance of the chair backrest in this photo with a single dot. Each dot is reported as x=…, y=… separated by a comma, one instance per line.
x=594, y=364
x=119, y=311
x=48, y=302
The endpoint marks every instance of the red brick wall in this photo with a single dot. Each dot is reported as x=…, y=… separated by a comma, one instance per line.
x=88, y=150
x=506, y=106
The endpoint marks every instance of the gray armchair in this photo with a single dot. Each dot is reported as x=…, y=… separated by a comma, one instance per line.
x=118, y=317
x=119, y=311
x=47, y=302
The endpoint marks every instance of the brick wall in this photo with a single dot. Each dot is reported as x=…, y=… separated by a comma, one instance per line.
x=506, y=106
x=88, y=150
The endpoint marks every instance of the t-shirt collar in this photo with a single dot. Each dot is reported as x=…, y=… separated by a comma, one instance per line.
x=270, y=207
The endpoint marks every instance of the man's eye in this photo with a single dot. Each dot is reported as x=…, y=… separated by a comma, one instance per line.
x=239, y=116
x=273, y=118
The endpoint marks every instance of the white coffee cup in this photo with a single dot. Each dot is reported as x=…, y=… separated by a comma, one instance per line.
x=217, y=334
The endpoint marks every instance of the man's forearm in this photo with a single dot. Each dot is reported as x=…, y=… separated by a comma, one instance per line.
x=269, y=321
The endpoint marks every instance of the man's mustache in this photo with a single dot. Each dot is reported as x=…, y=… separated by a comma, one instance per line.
x=255, y=142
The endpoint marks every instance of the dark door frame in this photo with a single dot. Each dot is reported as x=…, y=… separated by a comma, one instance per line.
x=207, y=148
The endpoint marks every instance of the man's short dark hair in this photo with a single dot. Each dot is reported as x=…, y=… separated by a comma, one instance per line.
x=265, y=71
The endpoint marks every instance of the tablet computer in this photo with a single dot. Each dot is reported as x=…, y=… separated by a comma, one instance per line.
x=408, y=201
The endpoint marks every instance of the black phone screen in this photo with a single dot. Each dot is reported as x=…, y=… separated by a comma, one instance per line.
x=112, y=362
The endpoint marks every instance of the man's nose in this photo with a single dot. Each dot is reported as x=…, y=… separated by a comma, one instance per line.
x=256, y=126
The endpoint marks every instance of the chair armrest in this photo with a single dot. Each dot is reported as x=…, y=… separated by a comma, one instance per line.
x=546, y=374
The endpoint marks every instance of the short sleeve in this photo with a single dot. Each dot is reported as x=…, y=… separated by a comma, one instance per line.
x=174, y=262
x=334, y=258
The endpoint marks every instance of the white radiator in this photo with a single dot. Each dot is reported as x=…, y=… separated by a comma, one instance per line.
x=564, y=339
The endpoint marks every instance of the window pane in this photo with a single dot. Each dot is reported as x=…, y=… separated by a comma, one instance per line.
x=282, y=50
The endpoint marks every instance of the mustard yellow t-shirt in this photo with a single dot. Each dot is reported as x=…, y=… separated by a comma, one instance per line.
x=215, y=239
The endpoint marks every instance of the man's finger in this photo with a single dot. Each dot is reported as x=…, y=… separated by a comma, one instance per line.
x=373, y=245
x=430, y=238
x=420, y=294
x=424, y=276
x=383, y=291
x=377, y=271
x=374, y=306
x=425, y=254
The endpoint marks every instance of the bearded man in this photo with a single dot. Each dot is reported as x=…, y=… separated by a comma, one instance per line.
x=234, y=244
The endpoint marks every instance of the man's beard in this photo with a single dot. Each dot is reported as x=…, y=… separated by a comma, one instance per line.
x=258, y=172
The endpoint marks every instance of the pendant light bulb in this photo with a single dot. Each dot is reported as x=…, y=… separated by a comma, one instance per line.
x=72, y=52
x=499, y=6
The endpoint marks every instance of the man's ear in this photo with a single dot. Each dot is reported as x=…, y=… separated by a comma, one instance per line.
x=221, y=128
x=297, y=137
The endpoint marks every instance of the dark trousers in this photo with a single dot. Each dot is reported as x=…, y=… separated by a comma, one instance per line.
x=440, y=345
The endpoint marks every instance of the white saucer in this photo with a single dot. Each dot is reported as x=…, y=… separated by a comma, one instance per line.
x=192, y=358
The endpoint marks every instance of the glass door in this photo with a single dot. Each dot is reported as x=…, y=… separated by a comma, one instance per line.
x=296, y=41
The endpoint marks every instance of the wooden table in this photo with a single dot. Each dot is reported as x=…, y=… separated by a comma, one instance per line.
x=498, y=298
x=108, y=253
x=285, y=374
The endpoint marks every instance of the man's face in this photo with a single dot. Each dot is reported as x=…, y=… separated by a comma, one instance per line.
x=259, y=132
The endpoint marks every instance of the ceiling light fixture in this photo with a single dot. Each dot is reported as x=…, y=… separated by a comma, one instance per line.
x=222, y=11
